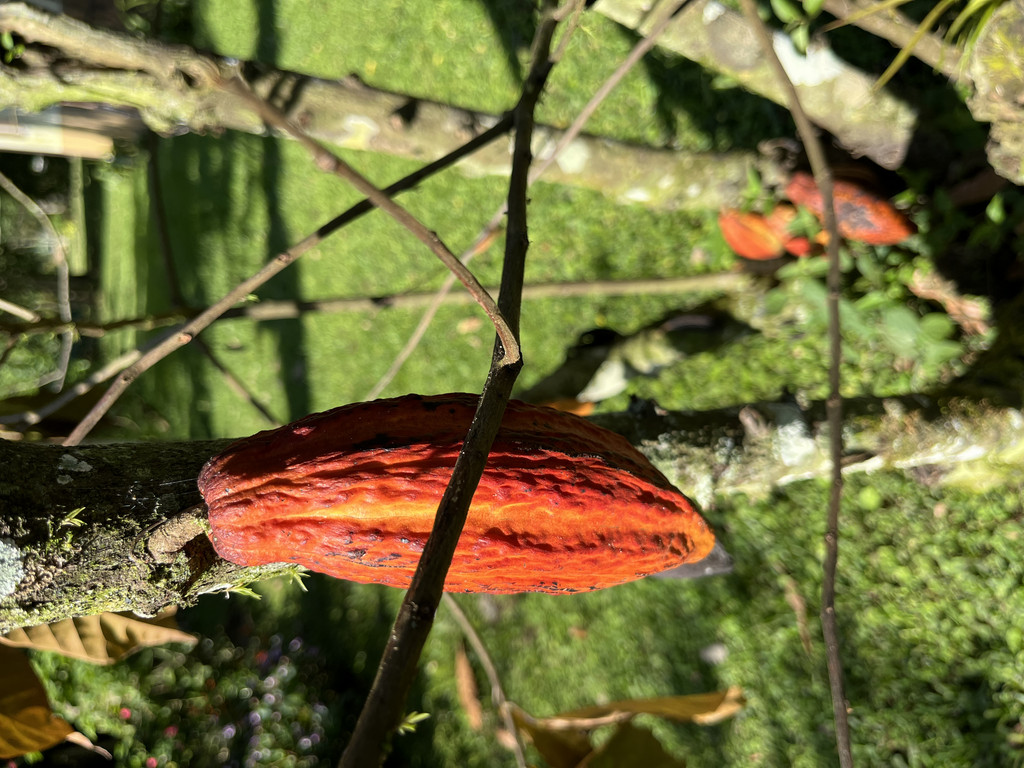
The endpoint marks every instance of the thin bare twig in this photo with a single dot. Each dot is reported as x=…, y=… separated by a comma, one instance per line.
x=60, y=263
x=642, y=47
x=481, y=244
x=174, y=340
x=497, y=692
x=730, y=282
x=19, y=311
x=235, y=385
x=900, y=30
x=726, y=282
x=834, y=404
x=159, y=212
x=382, y=711
x=536, y=170
x=111, y=369
x=574, y=11
x=331, y=163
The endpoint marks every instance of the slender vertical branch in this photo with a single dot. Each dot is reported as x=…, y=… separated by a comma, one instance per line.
x=382, y=711
x=834, y=404
x=497, y=692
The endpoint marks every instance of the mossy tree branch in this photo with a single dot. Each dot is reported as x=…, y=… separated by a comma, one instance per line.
x=139, y=547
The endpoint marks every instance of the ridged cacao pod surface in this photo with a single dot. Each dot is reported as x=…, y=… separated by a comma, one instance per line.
x=563, y=505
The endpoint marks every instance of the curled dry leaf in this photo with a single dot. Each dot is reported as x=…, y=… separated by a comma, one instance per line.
x=700, y=708
x=781, y=219
x=571, y=405
x=758, y=237
x=799, y=606
x=465, y=686
x=100, y=639
x=565, y=740
x=971, y=314
x=563, y=505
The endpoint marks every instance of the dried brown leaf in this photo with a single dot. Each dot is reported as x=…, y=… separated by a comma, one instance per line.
x=100, y=639
x=970, y=314
x=799, y=606
x=630, y=745
x=700, y=708
x=80, y=739
x=465, y=686
x=559, y=748
x=26, y=722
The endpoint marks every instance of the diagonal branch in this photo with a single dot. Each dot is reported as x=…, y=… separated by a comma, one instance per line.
x=141, y=362
x=331, y=163
x=834, y=405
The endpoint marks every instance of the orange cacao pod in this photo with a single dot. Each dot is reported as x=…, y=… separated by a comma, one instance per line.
x=860, y=214
x=563, y=505
x=751, y=235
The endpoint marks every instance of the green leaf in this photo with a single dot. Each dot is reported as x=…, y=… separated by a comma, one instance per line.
x=755, y=187
x=786, y=11
x=803, y=268
x=995, y=211
x=801, y=36
x=936, y=326
x=813, y=7
x=901, y=330
x=852, y=321
x=870, y=269
x=408, y=725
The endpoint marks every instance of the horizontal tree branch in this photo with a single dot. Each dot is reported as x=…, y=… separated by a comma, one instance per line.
x=269, y=309
x=147, y=76
x=139, y=547
x=837, y=96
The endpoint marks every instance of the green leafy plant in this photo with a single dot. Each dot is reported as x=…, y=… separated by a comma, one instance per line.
x=410, y=721
x=12, y=50
x=797, y=18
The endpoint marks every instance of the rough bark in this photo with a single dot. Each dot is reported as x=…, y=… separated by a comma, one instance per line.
x=141, y=541
x=835, y=95
x=996, y=66
x=757, y=448
x=103, y=528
